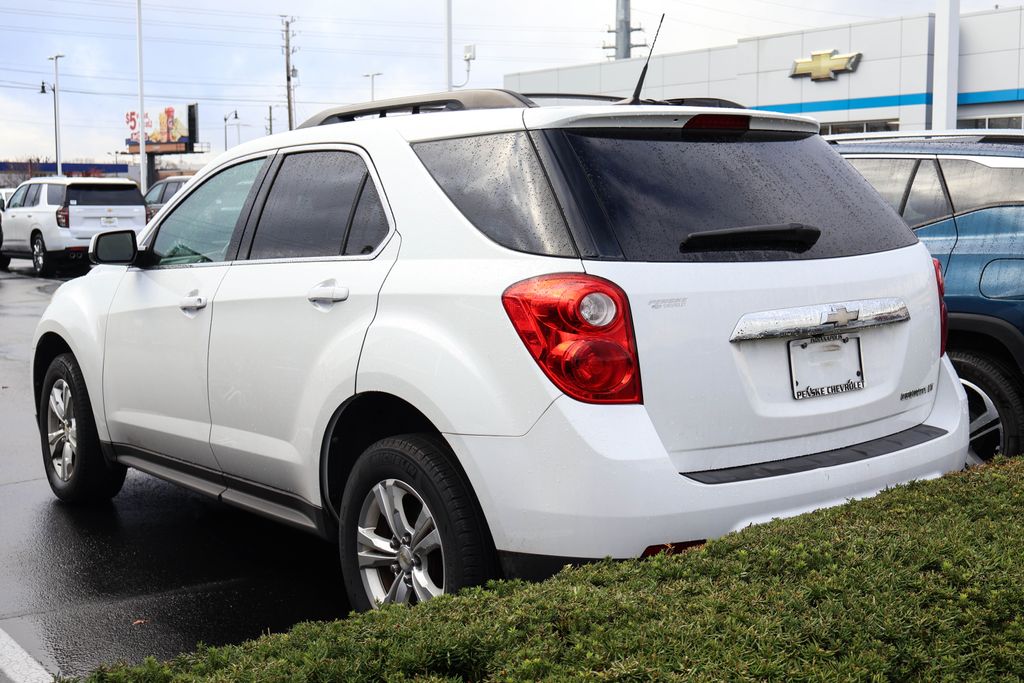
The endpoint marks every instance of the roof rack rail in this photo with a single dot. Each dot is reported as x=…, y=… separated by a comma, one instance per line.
x=991, y=135
x=421, y=104
x=612, y=99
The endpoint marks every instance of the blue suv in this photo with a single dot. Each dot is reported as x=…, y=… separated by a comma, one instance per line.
x=962, y=192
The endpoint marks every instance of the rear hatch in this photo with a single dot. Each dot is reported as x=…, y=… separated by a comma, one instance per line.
x=780, y=306
x=98, y=207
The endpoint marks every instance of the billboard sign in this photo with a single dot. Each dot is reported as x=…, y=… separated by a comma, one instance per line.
x=172, y=129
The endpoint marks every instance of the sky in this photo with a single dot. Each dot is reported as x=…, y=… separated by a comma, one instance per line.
x=227, y=54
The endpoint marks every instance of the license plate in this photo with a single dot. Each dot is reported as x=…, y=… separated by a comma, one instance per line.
x=825, y=366
x=108, y=221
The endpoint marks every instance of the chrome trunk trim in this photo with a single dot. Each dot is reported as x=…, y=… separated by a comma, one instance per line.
x=808, y=321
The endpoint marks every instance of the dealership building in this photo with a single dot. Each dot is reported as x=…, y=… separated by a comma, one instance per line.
x=869, y=76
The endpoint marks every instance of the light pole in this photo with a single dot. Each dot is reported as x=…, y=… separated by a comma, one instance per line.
x=227, y=117
x=143, y=161
x=56, y=105
x=372, y=76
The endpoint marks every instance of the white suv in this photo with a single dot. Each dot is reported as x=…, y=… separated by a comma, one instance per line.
x=490, y=342
x=51, y=220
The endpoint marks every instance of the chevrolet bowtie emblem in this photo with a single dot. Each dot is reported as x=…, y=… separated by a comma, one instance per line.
x=824, y=65
x=839, y=317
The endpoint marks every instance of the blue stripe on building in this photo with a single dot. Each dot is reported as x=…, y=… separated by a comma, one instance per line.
x=982, y=97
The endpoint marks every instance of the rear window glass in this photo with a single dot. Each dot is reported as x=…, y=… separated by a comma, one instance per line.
x=499, y=185
x=656, y=187
x=975, y=186
x=104, y=195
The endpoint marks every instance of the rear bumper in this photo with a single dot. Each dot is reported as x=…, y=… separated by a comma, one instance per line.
x=588, y=481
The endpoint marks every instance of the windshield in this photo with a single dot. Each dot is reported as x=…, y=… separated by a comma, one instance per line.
x=648, y=190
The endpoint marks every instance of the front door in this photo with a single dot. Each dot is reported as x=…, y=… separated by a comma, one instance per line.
x=158, y=329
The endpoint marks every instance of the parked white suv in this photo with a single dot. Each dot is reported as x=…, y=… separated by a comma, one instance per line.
x=51, y=220
x=490, y=342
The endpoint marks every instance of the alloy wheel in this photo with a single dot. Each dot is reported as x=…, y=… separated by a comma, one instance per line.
x=399, y=561
x=986, y=427
x=62, y=430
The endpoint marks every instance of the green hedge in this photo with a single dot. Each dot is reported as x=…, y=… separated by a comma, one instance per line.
x=923, y=582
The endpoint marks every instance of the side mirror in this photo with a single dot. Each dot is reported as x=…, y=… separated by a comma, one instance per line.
x=115, y=247
x=1, y=203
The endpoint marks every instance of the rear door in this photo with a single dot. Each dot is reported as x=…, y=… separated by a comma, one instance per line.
x=810, y=323
x=289, y=321
x=97, y=207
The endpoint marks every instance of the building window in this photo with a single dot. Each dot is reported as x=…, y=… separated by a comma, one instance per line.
x=859, y=127
x=1013, y=122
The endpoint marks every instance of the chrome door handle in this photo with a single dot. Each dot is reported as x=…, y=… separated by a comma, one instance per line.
x=192, y=302
x=326, y=293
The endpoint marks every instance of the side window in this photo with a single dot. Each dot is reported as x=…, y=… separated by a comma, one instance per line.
x=153, y=196
x=32, y=196
x=170, y=190
x=309, y=206
x=888, y=176
x=18, y=199
x=369, y=224
x=55, y=195
x=499, y=185
x=200, y=228
x=927, y=201
x=973, y=185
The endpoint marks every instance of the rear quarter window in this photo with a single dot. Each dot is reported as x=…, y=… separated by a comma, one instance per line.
x=104, y=195
x=500, y=186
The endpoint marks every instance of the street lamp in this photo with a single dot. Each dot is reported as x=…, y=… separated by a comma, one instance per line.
x=227, y=117
x=55, y=89
x=372, y=76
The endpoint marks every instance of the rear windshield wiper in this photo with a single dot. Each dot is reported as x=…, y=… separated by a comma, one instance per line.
x=795, y=237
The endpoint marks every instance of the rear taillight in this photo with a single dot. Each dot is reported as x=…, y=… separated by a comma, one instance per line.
x=579, y=330
x=150, y=212
x=63, y=217
x=943, y=313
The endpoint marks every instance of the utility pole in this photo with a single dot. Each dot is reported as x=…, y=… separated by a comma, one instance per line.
x=623, y=32
x=448, y=45
x=270, y=119
x=56, y=107
x=143, y=162
x=286, y=21
x=228, y=117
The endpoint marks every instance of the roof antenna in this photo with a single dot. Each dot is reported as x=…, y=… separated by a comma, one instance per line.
x=643, y=74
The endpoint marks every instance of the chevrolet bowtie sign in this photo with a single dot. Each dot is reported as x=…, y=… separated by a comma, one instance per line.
x=824, y=65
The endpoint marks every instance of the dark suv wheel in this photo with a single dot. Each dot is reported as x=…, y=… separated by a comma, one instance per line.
x=410, y=529
x=995, y=403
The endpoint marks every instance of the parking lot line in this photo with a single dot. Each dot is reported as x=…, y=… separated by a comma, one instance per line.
x=18, y=665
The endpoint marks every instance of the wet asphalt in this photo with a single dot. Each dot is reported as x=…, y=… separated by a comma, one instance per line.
x=155, y=572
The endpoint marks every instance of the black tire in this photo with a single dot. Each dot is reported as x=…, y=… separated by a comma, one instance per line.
x=5, y=262
x=983, y=375
x=423, y=463
x=42, y=262
x=90, y=478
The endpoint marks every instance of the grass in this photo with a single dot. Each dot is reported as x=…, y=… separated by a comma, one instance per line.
x=923, y=582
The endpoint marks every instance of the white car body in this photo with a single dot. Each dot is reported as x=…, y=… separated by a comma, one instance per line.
x=239, y=398
x=22, y=222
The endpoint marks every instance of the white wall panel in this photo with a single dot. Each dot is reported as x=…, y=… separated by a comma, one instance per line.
x=990, y=32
